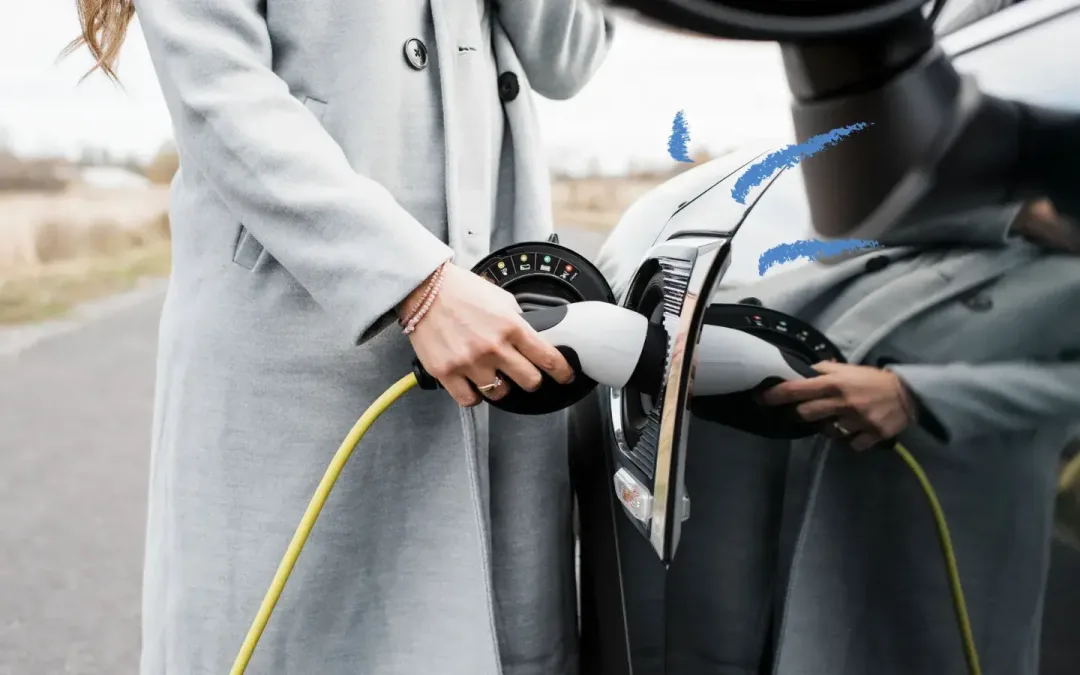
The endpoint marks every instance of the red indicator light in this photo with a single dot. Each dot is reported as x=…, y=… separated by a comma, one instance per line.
x=569, y=268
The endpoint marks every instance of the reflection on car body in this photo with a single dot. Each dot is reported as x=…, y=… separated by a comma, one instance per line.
x=1025, y=52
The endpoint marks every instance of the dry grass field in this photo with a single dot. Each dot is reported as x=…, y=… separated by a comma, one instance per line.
x=597, y=203
x=59, y=248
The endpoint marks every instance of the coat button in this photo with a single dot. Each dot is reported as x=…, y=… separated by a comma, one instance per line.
x=416, y=53
x=979, y=302
x=877, y=263
x=751, y=301
x=508, y=87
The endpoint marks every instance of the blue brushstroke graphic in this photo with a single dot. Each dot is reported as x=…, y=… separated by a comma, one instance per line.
x=811, y=249
x=789, y=157
x=679, y=140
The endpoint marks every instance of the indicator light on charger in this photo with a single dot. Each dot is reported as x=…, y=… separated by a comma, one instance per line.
x=547, y=258
x=501, y=264
x=524, y=257
x=569, y=268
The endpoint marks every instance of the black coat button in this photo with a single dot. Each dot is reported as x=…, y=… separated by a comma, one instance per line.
x=979, y=302
x=508, y=87
x=877, y=263
x=751, y=301
x=416, y=53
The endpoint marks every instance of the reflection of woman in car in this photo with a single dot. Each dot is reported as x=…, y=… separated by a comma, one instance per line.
x=966, y=347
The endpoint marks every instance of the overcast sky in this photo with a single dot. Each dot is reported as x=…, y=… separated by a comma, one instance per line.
x=730, y=91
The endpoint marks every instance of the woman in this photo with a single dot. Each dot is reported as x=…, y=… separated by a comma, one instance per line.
x=821, y=556
x=333, y=156
x=968, y=356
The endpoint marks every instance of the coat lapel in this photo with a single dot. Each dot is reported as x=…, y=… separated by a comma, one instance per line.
x=446, y=55
x=533, y=218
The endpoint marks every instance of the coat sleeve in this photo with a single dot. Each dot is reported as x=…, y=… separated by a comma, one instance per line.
x=341, y=235
x=959, y=401
x=560, y=43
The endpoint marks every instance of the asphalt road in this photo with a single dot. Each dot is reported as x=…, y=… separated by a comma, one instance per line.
x=75, y=406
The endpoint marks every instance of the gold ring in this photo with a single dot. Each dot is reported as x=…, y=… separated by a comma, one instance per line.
x=489, y=387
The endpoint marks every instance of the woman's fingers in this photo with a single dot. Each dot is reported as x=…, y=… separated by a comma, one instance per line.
x=797, y=391
x=519, y=369
x=541, y=353
x=863, y=441
x=460, y=390
x=821, y=409
x=488, y=382
x=854, y=431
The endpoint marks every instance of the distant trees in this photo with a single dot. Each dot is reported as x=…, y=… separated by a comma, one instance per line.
x=35, y=175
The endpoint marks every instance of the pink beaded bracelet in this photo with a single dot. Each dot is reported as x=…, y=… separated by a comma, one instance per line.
x=435, y=276
x=426, y=302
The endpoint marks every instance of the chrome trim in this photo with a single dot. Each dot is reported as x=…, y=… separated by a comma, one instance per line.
x=615, y=401
x=674, y=418
x=690, y=271
x=1006, y=23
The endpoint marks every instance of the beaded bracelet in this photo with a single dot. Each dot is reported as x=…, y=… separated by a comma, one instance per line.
x=435, y=276
x=428, y=300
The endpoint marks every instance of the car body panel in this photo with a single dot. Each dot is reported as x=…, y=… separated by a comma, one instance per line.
x=622, y=581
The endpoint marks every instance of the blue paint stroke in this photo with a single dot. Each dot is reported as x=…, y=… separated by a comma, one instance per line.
x=789, y=157
x=811, y=249
x=679, y=140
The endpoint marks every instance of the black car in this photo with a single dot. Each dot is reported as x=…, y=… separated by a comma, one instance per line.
x=1026, y=52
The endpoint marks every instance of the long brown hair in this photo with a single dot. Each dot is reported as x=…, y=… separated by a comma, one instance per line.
x=104, y=25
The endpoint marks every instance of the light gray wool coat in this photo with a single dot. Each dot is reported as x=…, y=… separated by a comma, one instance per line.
x=303, y=212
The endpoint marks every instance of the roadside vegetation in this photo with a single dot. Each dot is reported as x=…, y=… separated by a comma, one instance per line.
x=76, y=231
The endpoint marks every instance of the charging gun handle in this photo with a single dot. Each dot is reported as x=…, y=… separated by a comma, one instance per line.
x=609, y=344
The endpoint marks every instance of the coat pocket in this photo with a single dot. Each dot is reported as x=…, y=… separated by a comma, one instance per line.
x=247, y=251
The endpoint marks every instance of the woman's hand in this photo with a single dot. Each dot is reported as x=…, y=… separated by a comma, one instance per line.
x=1040, y=223
x=866, y=405
x=473, y=331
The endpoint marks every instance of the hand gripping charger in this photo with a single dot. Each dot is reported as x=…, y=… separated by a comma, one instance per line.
x=739, y=350
x=604, y=344
x=617, y=347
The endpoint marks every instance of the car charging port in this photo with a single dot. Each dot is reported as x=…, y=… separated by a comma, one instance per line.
x=638, y=405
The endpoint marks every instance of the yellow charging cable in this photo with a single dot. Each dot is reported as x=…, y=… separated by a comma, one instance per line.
x=408, y=382
x=312, y=513
x=952, y=570
x=1069, y=474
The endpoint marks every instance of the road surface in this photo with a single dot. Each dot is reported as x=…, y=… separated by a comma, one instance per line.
x=75, y=405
